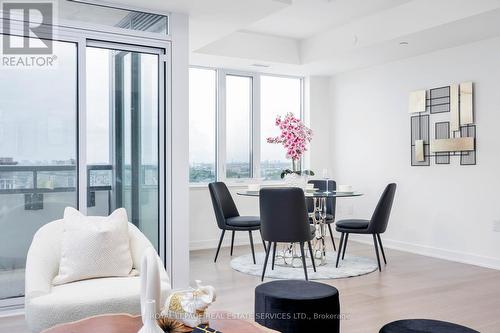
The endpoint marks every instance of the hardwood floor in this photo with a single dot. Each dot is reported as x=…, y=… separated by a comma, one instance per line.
x=14, y=324
x=410, y=286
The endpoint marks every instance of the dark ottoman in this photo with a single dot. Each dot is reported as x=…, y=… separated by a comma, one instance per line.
x=424, y=326
x=297, y=306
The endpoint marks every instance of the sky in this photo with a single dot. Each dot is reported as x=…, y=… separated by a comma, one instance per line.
x=99, y=106
x=38, y=108
x=38, y=111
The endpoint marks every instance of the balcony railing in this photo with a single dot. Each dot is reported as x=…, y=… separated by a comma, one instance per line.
x=27, y=179
x=19, y=179
x=33, y=181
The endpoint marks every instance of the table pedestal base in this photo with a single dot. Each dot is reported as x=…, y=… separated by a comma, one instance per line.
x=289, y=255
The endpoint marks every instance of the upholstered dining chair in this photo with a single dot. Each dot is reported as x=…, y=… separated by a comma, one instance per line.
x=375, y=226
x=284, y=219
x=228, y=217
x=331, y=203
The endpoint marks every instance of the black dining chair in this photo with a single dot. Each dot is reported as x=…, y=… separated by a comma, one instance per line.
x=375, y=226
x=284, y=219
x=228, y=217
x=331, y=204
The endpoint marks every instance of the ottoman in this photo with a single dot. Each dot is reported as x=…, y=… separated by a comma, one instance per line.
x=424, y=326
x=290, y=306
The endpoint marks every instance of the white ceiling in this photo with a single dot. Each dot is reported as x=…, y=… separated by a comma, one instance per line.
x=308, y=17
x=211, y=20
x=324, y=37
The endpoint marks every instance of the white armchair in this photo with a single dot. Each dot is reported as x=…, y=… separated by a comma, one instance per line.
x=47, y=305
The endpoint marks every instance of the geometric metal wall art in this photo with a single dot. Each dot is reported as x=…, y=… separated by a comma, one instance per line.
x=442, y=125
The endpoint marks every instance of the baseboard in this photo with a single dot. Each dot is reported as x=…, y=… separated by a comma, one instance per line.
x=242, y=239
x=435, y=252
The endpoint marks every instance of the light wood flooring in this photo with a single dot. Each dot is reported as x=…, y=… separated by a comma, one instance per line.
x=410, y=286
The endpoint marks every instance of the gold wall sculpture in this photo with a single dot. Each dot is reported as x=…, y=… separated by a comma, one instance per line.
x=454, y=107
x=466, y=101
x=419, y=150
x=442, y=125
x=417, y=101
x=452, y=145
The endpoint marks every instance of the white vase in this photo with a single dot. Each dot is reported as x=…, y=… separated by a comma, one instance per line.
x=150, y=280
x=149, y=319
x=294, y=180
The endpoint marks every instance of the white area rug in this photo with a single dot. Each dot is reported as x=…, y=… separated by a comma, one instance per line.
x=350, y=266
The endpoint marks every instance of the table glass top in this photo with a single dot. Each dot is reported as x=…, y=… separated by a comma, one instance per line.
x=318, y=194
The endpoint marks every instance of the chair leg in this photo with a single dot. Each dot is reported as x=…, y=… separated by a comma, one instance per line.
x=376, y=251
x=220, y=243
x=340, y=248
x=268, y=250
x=331, y=235
x=232, y=242
x=303, y=259
x=381, y=248
x=251, y=245
x=274, y=255
x=312, y=255
x=263, y=241
x=345, y=245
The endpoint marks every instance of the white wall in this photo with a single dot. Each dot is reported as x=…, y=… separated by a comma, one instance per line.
x=318, y=116
x=203, y=231
x=177, y=199
x=442, y=210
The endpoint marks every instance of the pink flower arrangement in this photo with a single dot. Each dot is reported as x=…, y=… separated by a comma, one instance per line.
x=295, y=136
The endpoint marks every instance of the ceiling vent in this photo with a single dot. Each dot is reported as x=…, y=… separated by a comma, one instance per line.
x=261, y=65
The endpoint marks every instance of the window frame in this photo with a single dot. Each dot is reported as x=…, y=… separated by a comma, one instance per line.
x=255, y=130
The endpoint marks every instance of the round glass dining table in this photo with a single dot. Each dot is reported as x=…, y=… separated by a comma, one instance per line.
x=312, y=194
x=290, y=255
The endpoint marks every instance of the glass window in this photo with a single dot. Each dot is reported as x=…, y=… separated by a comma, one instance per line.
x=238, y=126
x=122, y=136
x=279, y=95
x=37, y=156
x=99, y=79
x=202, y=120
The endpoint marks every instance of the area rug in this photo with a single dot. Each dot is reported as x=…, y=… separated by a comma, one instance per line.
x=350, y=266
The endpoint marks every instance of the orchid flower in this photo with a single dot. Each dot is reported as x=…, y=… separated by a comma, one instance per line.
x=295, y=136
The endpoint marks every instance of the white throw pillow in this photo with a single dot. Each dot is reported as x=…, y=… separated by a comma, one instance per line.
x=94, y=246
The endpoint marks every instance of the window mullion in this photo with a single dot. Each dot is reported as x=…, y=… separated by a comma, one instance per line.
x=305, y=162
x=255, y=127
x=221, y=126
x=82, y=128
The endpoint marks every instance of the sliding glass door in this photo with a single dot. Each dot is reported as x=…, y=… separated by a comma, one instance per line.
x=87, y=133
x=38, y=156
x=122, y=135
